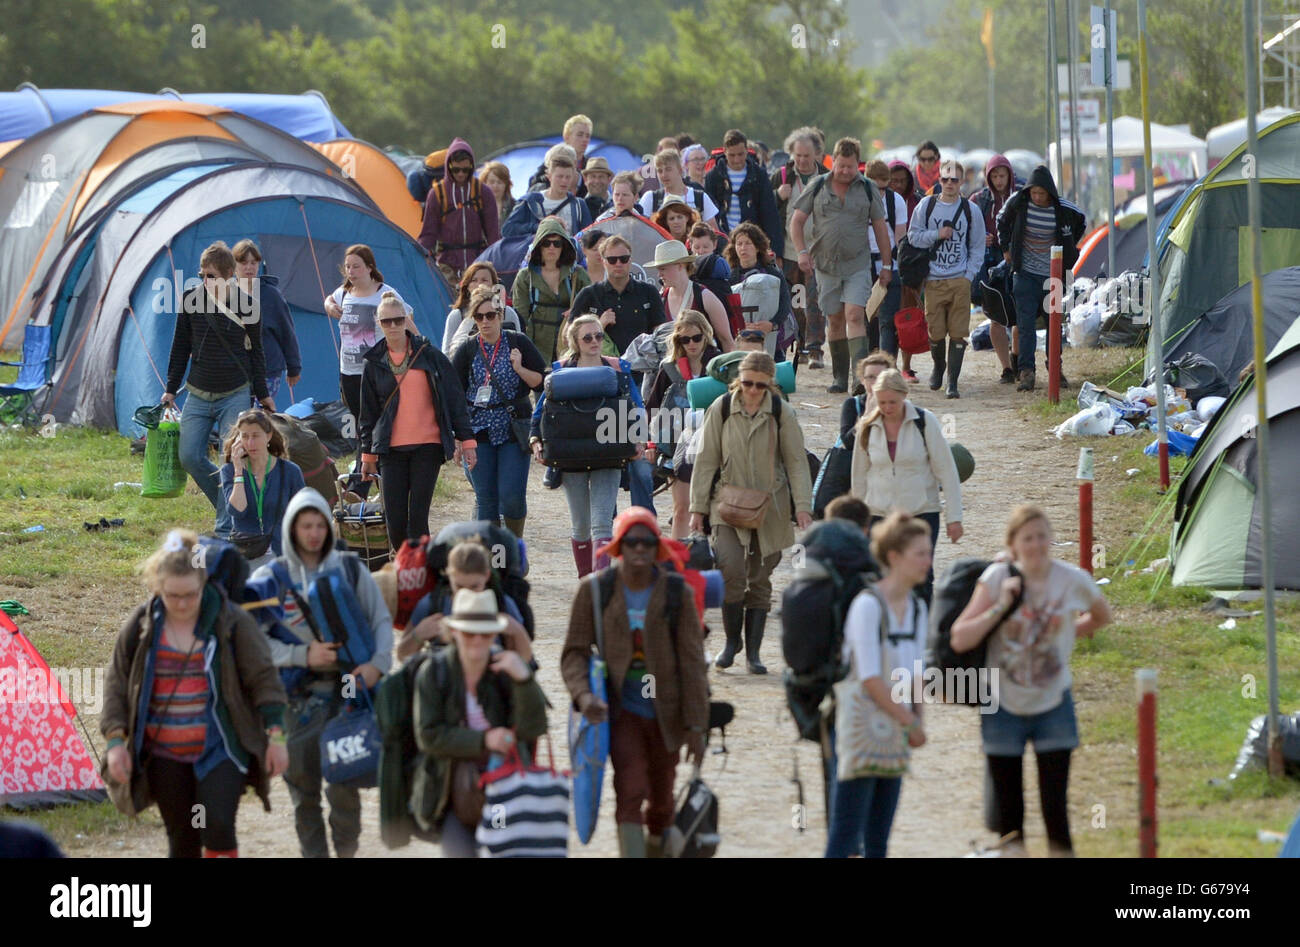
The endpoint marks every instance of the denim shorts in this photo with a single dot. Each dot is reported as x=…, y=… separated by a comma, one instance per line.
x=1005, y=733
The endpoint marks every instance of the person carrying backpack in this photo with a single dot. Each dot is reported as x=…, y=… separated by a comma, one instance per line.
x=673, y=186
x=193, y=709
x=1030, y=652
x=309, y=558
x=640, y=618
x=556, y=200
x=949, y=224
x=751, y=479
x=804, y=146
x=547, y=287
x=1000, y=184
x=740, y=191
x=279, y=339
x=884, y=647
x=460, y=217
x=748, y=255
x=473, y=702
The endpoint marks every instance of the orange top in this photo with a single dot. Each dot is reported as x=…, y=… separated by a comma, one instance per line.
x=416, y=420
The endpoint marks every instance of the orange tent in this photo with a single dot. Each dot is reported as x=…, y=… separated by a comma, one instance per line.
x=379, y=176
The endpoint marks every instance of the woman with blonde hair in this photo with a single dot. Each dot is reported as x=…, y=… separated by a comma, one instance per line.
x=257, y=482
x=901, y=462
x=750, y=475
x=591, y=494
x=692, y=349
x=496, y=177
x=1029, y=609
x=193, y=706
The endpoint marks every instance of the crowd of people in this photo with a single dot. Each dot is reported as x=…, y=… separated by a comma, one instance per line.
x=196, y=709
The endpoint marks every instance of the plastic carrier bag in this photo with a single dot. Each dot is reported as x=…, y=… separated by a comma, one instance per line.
x=163, y=474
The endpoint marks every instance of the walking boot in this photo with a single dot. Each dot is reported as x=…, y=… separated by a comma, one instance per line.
x=581, y=557
x=859, y=348
x=1026, y=381
x=755, y=619
x=1008, y=376
x=601, y=561
x=839, y=366
x=733, y=620
x=940, y=363
x=956, y=352
x=515, y=526
x=654, y=846
x=631, y=840
x=815, y=360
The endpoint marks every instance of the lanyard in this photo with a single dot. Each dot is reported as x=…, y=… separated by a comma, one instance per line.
x=489, y=357
x=259, y=495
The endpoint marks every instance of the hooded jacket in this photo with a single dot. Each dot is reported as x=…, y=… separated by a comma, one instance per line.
x=757, y=200
x=301, y=575
x=529, y=211
x=279, y=341
x=467, y=224
x=379, y=397
x=989, y=201
x=541, y=309
x=1070, y=221
x=908, y=193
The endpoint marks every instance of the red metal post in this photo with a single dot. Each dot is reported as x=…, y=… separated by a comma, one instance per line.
x=1146, y=687
x=1084, y=476
x=1055, y=302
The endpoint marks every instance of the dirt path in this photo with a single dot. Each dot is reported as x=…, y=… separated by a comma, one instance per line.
x=940, y=813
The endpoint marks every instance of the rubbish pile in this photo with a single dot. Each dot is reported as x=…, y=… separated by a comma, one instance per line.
x=1104, y=412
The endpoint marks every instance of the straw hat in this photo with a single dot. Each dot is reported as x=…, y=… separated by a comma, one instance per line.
x=597, y=164
x=670, y=251
x=476, y=613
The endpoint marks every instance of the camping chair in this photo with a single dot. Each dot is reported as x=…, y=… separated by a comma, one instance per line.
x=17, y=399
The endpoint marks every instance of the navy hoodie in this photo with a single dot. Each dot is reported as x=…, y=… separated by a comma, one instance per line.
x=279, y=342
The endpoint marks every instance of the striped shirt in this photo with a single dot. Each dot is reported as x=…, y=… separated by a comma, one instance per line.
x=1040, y=232
x=737, y=179
x=176, y=727
x=475, y=718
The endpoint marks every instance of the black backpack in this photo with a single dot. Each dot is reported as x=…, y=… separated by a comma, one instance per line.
x=952, y=593
x=835, y=476
x=914, y=262
x=696, y=192
x=505, y=554
x=573, y=429
x=813, y=606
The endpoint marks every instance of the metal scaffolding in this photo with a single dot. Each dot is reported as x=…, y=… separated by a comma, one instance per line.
x=1279, y=64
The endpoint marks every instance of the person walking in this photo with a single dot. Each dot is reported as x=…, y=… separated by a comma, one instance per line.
x=694, y=158
x=676, y=268
x=856, y=406
x=257, y=482
x=842, y=206
x=673, y=185
x=496, y=178
x=472, y=703
x=499, y=370
x=749, y=442
x=597, y=176
x=576, y=135
x=658, y=687
x=193, y=707
x=279, y=340
x=881, y=331
x=955, y=229
x=460, y=220
x=546, y=289
x=805, y=146
x=460, y=325
x=414, y=417
x=748, y=253
x=926, y=170
x=217, y=351
x=592, y=494
x=308, y=555
x=741, y=191
x=1032, y=221
x=1031, y=609
x=559, y=199
x=1000, y=184
x=901, y=461
x=885, y=631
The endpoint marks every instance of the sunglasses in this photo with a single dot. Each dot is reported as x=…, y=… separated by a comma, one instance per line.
x=393, y=321
x=461, y=169
x=621, y=258
x=697, y=337
x=485, y=316
x=551, y=244
x=926, y=159
x=752, y=335
x=640, y=542
x=950, y=180
x=593, y=337
x=747, y=383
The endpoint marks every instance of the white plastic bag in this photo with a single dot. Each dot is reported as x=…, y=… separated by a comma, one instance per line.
x=1091, y=422
x=1207, y=407
x=1085, y=326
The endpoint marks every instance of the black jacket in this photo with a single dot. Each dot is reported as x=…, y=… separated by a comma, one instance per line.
x=1070, y=221
x=757, y=200
x=462, y=360
x=214, y=348
x=378, y=383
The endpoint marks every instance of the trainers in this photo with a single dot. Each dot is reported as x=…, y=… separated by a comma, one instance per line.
x=1011, y=845
x=1008, y=376
x=910, y=376
x=1026, y=381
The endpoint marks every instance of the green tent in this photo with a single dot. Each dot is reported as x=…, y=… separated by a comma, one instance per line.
x=1205, y=257
x=1217, y=522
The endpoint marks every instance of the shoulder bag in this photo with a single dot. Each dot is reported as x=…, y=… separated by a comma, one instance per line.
x=744, y=507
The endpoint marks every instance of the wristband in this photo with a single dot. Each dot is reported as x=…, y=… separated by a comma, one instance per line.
x=802, y=252
x=277, y=739
x=237, y=480
x=115, y=741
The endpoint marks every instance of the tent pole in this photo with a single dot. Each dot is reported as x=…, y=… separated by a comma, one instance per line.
x=1076, y=140
x=1054, y=98
x=1264, y=486
x=1110, y=149
x=1151, y=305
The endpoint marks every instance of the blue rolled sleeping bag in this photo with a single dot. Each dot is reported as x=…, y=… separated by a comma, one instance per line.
x=713, y=588
x=598, y=381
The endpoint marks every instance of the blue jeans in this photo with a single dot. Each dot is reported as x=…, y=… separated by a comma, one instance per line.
x=642, y=483
x=197, y=418
x=1027, y=290
x=592, y=496
x=861, y=813
x=1005, y=733
x=500, y=479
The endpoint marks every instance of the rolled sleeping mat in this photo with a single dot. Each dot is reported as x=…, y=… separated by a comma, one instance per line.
x=565, y=384
x=703, y=391
x=713, y=588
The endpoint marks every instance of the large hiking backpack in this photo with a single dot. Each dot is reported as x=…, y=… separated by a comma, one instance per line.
x=581, y=405
x=837, y=566
x=414, y=578
x=760, y=298
x=952, y=593
x=333, y=611
x=835, y=478
x=422, y=178
x=307, y=451
x=507, y=555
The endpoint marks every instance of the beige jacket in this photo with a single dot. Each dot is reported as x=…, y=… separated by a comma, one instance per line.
x=742, y=450
x=909, y=483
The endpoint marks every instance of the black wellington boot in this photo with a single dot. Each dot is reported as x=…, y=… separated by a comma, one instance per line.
x=755, y=619
x=733, y=620
x=956, y=353
x=940, y=363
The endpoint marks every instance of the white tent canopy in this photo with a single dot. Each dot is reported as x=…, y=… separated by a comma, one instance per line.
x=1221, y=140
x=1128, y=143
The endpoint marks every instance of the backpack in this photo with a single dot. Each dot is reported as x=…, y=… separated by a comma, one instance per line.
x=694, y=830
x=306, y=450
x=507, y=555
x=414, y=580
x=394, y=712
x=580, y=403
x=717, y=285
x=914, y=262
x=474, y=202
x=952, y=593
x=760, y=298
x=332, y=610
x=836, y=474
x=838, y=565
x=694, y=190
x=422, y=178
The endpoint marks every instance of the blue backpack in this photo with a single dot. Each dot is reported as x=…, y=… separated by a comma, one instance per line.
x=333, y=611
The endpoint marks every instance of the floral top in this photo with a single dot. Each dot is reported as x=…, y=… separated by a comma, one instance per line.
x=495, y=418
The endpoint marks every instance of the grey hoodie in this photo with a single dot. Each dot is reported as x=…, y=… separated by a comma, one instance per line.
x=369, y=597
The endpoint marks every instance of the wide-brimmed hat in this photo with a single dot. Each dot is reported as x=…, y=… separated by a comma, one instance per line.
x=670, y=251
x=597, y=164
x=476, y=613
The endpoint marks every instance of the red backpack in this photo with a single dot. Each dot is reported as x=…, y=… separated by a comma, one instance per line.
x=414, y=578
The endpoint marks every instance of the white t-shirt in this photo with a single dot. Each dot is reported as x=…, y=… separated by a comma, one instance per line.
x=646, y=204
x=900, y=220
x=904, y=643
x=1033, y=661
x=359, y=329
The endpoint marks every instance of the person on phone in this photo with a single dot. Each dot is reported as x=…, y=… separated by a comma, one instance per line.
x=257, y=482
x=1031, y=609
x=658, y=686
x=193, y=707
x=473, y=702
x=884, y=643
x=218, y=338
x=307, y=541
x=413, y=417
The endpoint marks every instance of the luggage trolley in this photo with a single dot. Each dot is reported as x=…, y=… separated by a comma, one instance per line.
x=360, y=522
